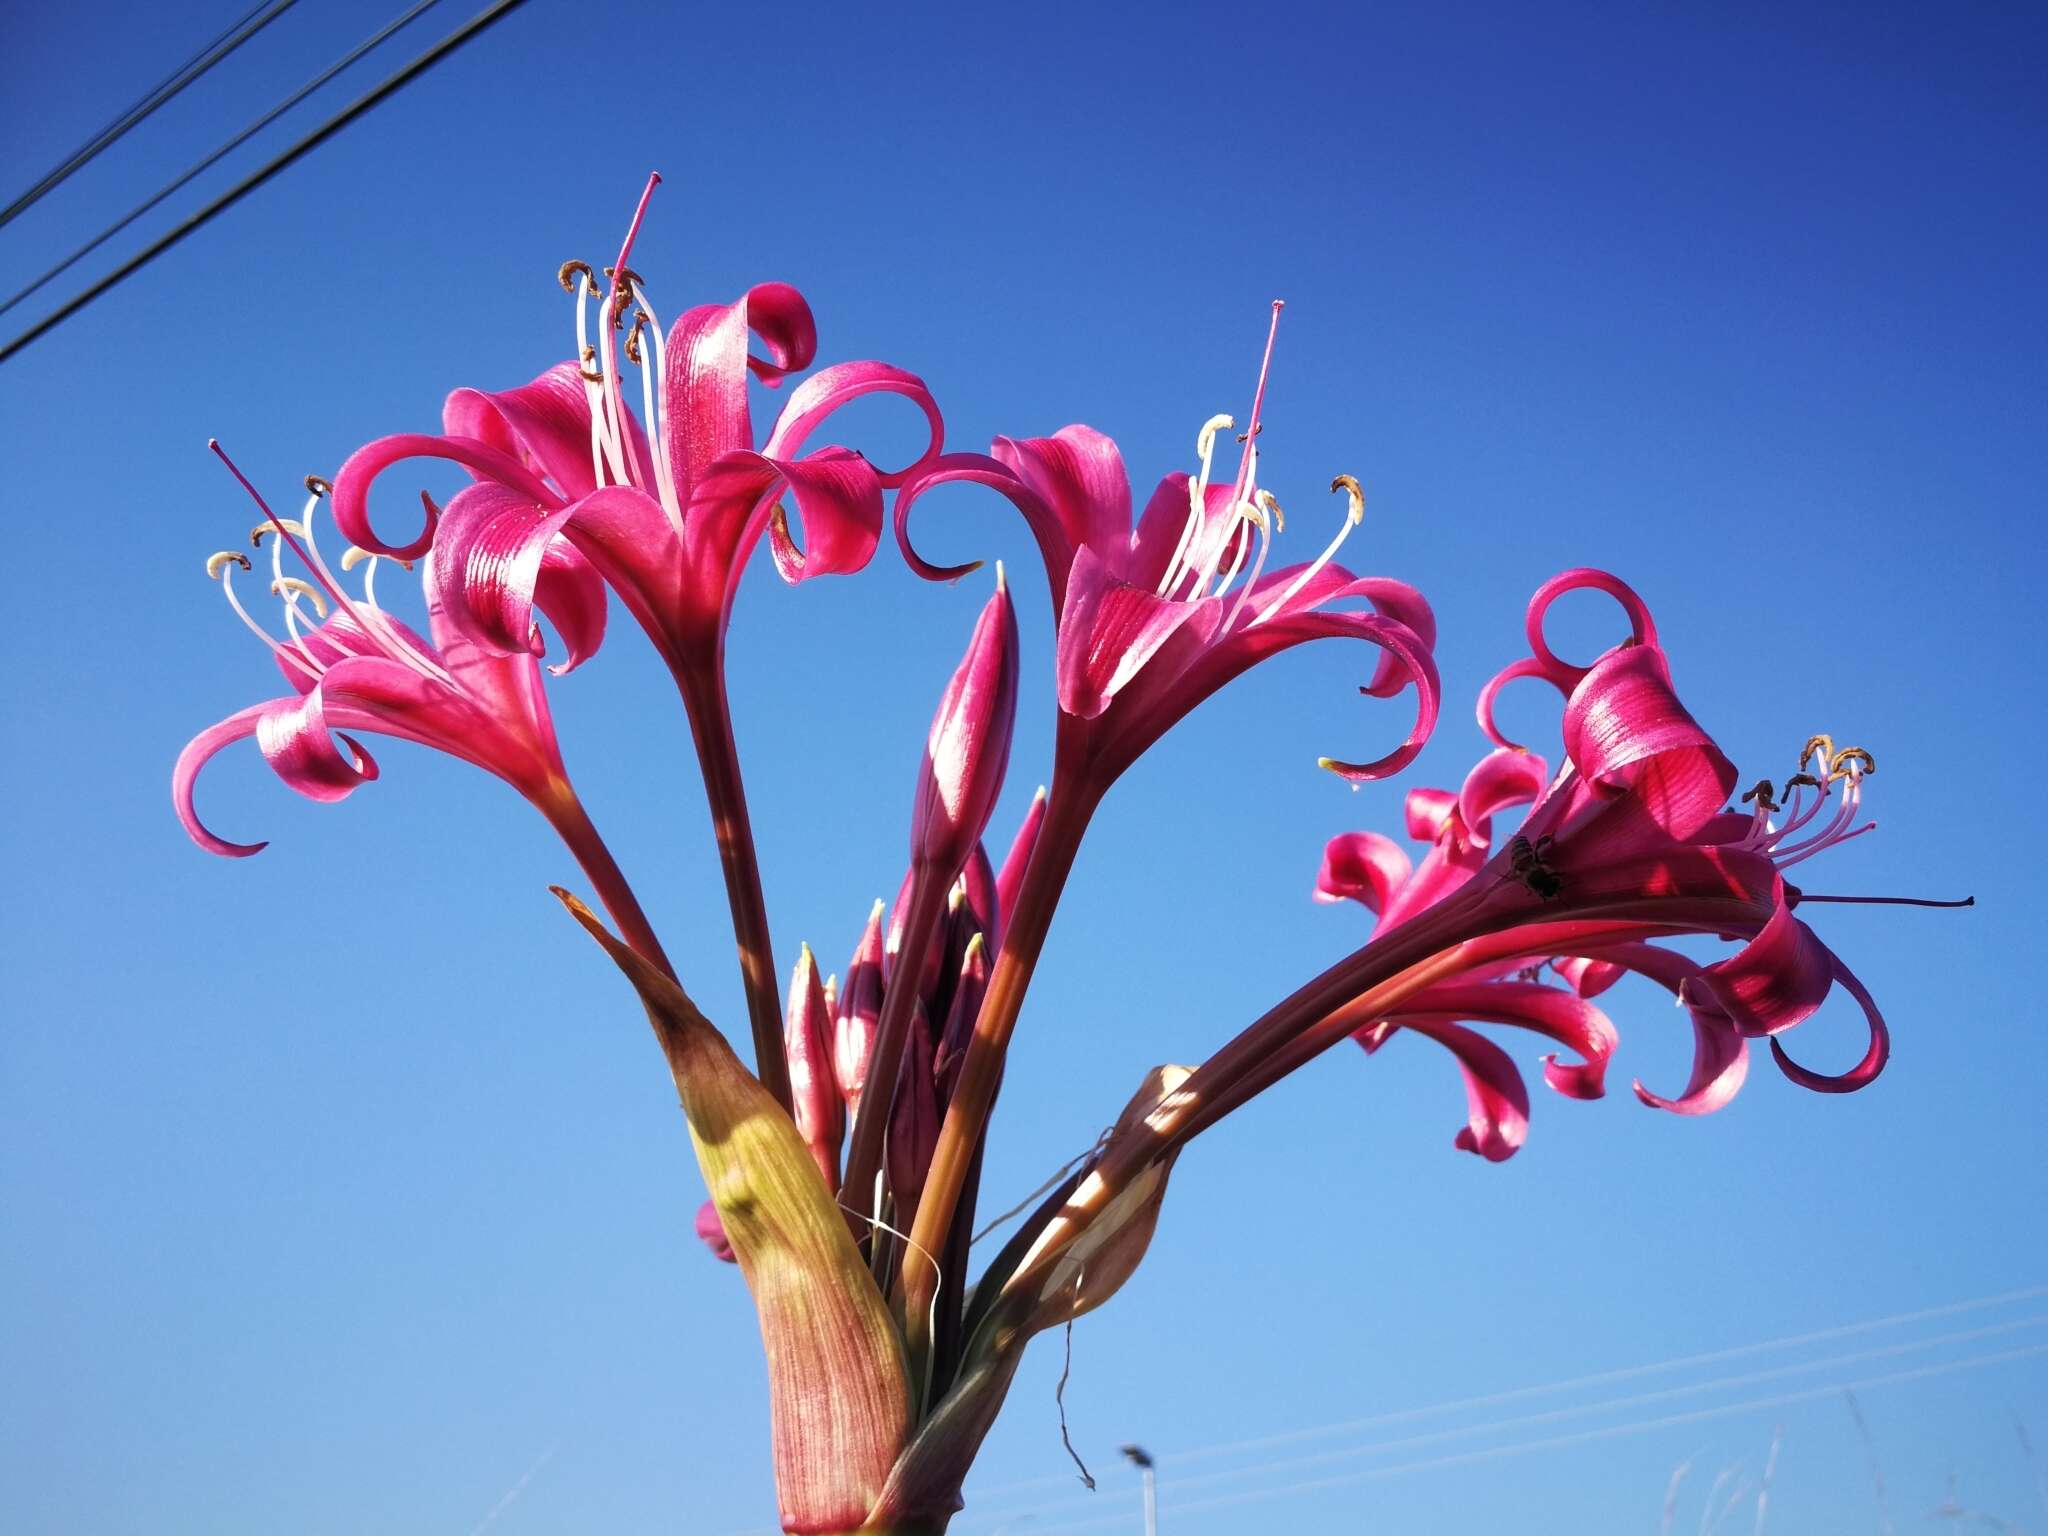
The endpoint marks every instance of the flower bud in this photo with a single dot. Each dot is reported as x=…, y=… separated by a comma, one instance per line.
x=712, y=1232
x=860, y=1011
x=969, y=745
x=807, y=1040
x=1011, y=878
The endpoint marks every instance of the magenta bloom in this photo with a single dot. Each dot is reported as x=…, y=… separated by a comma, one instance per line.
x=667, y=507
x=351, y=666
x=1155, y=616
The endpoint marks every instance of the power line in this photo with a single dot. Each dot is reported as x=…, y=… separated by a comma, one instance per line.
x=1579, y=1437
x=1549, y=1388
x=251, y=23
x=1521, y=1422
x=255, y=179
x=229, y=147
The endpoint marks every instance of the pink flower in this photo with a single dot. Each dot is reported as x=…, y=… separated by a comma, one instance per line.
x=1156, y=616
x=353, y=667
x=1630, y=844
x=667, y=507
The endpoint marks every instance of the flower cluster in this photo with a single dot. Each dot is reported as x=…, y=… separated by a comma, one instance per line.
x=843, y=1166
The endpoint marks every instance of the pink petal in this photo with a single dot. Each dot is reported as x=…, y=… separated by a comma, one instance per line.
x=1874, y=1057
x=1642, y=630
x=545, y=425
x=978, y=469
x=352, y=486
x=496, y=557
x=705, y=385
x=1426, y=811
x=1563, y=1016
x=1363, y=867
x=1502, y=779
x=1588, y=978
x=829, y=388
x=1497, y=1100
x=1109, y=629
x=199, y=751
x=1776, y=980
x=1079, y=474
x=295, y=741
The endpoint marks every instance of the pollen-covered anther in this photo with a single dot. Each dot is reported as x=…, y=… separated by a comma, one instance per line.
x=1821, y=746
x=1349, y=485
x=263, y=530
x=319, y=485
x=1271, y=504
x=1840, y=761
x=589, y=356
x=353, y=557
x=218, y=562
x=1764, y=794
x=291, y=589
x=573, y=271
x=633, y=336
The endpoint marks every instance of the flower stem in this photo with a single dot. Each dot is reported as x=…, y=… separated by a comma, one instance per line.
x=926, y=911
x=703, y=690
x=566, y=815
x=1059, y=840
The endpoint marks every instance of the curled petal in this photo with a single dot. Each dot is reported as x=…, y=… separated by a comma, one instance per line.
x=1427, y=810
x=1874, y=1056
x=1588, y=978
x=1396, y=600
x=1642, y=630
x=1564, y=1016
x=1497, y=1100
x=1502, y=779
x=295, y=741
x=1363, y=867
x=352, y=485
x=1720, y=1056
x=839, y=497
x=705, y=382
x=1079, y=474
x=979, y=469
x=198, y=752
x=495, y=557
x=1776, y=980
x=1626, y=730
x=545, y=425
x=1528, y=666
x=829, y=388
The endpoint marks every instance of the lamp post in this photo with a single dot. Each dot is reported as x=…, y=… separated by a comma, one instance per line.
x=1142, y=1460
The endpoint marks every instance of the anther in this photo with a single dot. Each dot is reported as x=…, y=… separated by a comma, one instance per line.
x=217, y=563
x=290, y=587
x=1822, y=746
x=353, y=557
x=1848, y=755
x=290, y=525
x=571, y=271
x=1271, y=503
x=319, y=486
x=589, y=357
x=1764, y=795
x=633, y=336
x=1349, y=485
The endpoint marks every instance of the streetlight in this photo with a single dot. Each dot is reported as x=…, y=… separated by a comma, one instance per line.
x=1142, y=1460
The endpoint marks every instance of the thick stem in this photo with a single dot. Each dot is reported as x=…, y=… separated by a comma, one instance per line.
x=1059, y=840
x=927, y=910
x=703, y=690
x=566, y=815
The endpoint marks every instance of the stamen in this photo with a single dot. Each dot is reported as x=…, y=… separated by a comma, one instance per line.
x=1354, y=514
x=626, y=451
x=221, y=567
x=1198, y=502
x=570, y=270
x=319, y=486
x=1852, y=755
x=1822, y=746
x=291, y=589
x=653, y=383
x=374, y=627
x=355, y=557
x=288, y=524
x=1270, y=517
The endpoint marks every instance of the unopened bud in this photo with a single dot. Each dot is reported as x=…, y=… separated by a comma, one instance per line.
x=968, y=749
x=860, y=1010
x=808, y=1041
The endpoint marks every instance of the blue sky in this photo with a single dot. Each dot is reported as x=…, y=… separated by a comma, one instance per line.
x=344, y=1190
